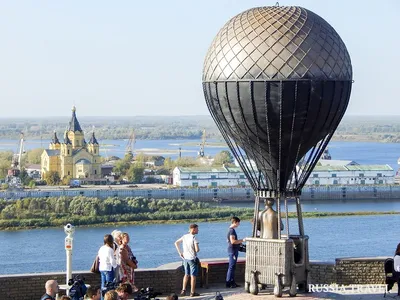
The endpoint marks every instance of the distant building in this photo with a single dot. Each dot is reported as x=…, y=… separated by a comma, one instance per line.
x=33, y=171
x=106, y=169
x=208, y=177
x=74, y=157
x=155, y=161
x=336, y=162
x=338, y=172
x=351, y=174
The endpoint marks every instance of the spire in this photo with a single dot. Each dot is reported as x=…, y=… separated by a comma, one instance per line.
x=93, y=139
x=74, y=124
x=66, y=138
x=55, y=140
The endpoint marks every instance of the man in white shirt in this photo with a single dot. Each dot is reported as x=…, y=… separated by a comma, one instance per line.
x=190, y=248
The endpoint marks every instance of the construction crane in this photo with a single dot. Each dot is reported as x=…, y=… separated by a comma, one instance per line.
x=203, y=143
x=130, y=144
x=12, y=175
x=16, y=159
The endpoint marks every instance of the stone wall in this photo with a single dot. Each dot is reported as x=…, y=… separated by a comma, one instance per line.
x=31, y=286
x=322, y=272
x=360, y=270
x=346, y=271
x=168, y=278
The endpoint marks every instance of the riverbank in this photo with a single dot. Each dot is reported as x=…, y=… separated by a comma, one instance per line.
x=243, y=214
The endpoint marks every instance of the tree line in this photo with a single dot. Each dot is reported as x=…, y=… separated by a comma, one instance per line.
x=386, y=128
x=81, y=210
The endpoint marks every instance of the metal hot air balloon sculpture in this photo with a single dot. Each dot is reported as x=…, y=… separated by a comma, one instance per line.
x=277, y=82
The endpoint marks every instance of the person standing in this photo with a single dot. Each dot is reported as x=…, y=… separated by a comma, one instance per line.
x=233, y=252
x=128, y=262
x=396, y=259
x=107, y=261
x=116, y=234
x=190, y=248
x=51, y=287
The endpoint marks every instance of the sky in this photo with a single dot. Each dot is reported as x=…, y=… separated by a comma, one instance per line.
x=130, y=58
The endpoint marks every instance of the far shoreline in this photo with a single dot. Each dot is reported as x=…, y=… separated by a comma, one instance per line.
x=153, y=222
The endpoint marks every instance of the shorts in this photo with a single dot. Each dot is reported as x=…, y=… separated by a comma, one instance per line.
x=191, y=267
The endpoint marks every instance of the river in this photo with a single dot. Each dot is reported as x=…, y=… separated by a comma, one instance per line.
x=42, y=250
x=378, y=205
x=361, y=152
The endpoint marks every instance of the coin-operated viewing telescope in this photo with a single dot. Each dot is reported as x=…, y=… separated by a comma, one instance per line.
x=69, y=242
x=277, y=82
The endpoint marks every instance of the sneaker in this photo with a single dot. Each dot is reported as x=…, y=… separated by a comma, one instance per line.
x=234, y=285
x=194, y=294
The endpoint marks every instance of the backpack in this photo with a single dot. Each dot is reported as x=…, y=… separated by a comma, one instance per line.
x=218, y=296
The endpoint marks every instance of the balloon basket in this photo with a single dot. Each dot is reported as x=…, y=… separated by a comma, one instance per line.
x=278, y=263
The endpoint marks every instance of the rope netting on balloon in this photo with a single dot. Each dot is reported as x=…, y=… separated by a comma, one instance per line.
x=277, y=130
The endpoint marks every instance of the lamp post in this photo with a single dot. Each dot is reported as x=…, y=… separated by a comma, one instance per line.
x=69, y=241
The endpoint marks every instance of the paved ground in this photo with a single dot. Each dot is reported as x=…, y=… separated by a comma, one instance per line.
x=239, y=294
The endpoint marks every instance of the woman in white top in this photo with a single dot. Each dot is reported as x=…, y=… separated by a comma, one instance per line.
x=107, y=262
x=396, y=259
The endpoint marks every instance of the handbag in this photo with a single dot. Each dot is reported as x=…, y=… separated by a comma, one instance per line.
x=134, y=260
x=242, y=248
x=134, y=265
x=95, y=265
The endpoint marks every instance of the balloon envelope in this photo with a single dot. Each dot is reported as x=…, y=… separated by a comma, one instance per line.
x=277, y=81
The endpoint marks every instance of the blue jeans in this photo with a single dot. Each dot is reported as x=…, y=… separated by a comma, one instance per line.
x=106, y=276
x=230, y=275
x=190, y=266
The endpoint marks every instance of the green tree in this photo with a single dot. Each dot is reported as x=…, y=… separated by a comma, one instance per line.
x=32, y=184
x=9, y=212
x=169, y=164
x=121, y=167
x=128, y=157
x=163, y=171
x=223, y=158
x=34, y=156
x=23, y=175
x=5, y=162
x=52, y=178
x=140, y=159
x=66, y=180
x=135, y=173
x=186, y=162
